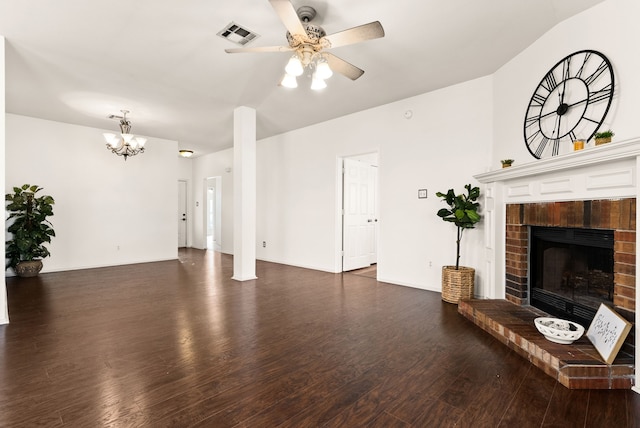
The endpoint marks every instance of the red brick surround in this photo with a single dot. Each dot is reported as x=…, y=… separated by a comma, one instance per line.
x=617, y=215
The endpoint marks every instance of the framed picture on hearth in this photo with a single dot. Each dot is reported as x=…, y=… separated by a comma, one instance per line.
x=607, y=332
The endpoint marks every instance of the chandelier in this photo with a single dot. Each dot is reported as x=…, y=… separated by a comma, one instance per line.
x=125, y=144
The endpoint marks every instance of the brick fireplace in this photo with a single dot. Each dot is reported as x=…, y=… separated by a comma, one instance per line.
x=617, y=215
x=595, y=188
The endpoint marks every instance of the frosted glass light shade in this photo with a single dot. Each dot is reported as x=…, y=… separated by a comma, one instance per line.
x=317, y=83
x=323, y=71
x=127, y=137
x=141, y=141
x=294, y=66
x=110, y=138
x=289, y=81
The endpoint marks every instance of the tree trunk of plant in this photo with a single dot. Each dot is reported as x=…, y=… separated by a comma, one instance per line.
x=458, y=248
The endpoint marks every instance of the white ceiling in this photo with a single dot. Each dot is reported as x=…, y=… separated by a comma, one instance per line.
x=77, y=61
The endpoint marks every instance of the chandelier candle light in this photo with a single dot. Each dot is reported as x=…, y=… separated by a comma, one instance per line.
x=126, y=144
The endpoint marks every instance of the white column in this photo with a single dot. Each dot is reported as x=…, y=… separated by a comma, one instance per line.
x=4, y=312
x=244, y=194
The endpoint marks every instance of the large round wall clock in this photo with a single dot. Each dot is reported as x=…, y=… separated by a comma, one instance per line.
x=570, y=103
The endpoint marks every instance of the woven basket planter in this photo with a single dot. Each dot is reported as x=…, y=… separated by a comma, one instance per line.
x=604, y=140
x=457, y=284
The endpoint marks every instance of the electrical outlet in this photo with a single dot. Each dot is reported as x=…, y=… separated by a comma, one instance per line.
x=264, y=244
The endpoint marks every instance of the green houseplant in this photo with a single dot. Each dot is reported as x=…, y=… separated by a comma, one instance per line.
x=458, y=281
x=30, y=229
x=506, y=162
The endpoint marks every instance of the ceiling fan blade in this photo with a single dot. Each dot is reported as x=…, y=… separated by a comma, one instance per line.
x=343, y=67
x=372, y=30
x=260, y=49
x=289, y=18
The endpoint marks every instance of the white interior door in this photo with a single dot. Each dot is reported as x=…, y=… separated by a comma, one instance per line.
x=211, y=216
x=359, y=220
x=182, y=213
x=212, y=213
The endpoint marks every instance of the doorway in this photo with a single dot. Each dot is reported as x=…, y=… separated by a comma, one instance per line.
x=182, y=213
x=359, y=212
x=213, y=213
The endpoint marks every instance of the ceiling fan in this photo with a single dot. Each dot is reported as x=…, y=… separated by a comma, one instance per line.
x=310, y=43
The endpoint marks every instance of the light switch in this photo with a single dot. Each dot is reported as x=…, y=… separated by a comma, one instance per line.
x=422, y=193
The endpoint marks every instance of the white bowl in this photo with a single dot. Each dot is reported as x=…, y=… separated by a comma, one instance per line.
x=559, y=331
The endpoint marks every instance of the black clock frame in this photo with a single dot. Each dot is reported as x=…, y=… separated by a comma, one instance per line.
x=599, y=86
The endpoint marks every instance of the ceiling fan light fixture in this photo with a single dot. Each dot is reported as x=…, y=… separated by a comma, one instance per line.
x=289, y=81
x=317, y=83
x=323, y=71
x=294, y=66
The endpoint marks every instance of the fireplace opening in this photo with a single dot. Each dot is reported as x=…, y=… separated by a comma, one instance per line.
x=571, y=271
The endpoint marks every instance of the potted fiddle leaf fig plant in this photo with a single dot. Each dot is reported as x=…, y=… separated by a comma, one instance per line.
x=458, y=281
x=30, y=229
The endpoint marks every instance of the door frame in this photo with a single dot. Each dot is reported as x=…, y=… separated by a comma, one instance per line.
x=339, y=234
x=218, y=214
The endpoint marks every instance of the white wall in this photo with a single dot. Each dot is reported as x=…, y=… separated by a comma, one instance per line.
x=514, y=83
x=4, y=314
x=299, y=183
x=107, y=211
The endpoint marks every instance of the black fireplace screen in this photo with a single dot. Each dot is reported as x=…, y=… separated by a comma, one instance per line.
x=571, y=271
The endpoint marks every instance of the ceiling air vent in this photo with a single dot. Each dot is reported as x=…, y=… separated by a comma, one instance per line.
x=237, y=34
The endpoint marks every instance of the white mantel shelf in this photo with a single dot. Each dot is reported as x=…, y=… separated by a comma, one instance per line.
x=605, y=153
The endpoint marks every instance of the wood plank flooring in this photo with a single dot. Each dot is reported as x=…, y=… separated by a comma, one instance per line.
x=180, y=344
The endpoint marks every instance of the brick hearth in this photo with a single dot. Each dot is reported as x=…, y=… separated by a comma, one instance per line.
x=576, y=366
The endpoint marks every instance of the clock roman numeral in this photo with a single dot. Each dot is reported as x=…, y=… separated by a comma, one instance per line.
x=541, y=147
x=549, y=82
x=586, y=58
x=566, y=65
x=532, y=137
x=556, y=147
x=531, y=121
x=591, y=78
x=538, y=100
x=600, y=95
x=572, y=135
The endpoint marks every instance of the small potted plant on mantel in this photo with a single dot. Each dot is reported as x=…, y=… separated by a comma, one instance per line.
x=30, y=229
x=506, y=163
x=458, y=281
x=603, y=137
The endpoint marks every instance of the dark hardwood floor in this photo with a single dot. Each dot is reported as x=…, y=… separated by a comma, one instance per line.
x=180, y=344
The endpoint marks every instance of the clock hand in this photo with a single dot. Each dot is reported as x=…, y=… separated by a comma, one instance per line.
x=568, y=106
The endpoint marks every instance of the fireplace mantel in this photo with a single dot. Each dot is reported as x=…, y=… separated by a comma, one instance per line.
x=592, y=156
x=606, y=172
